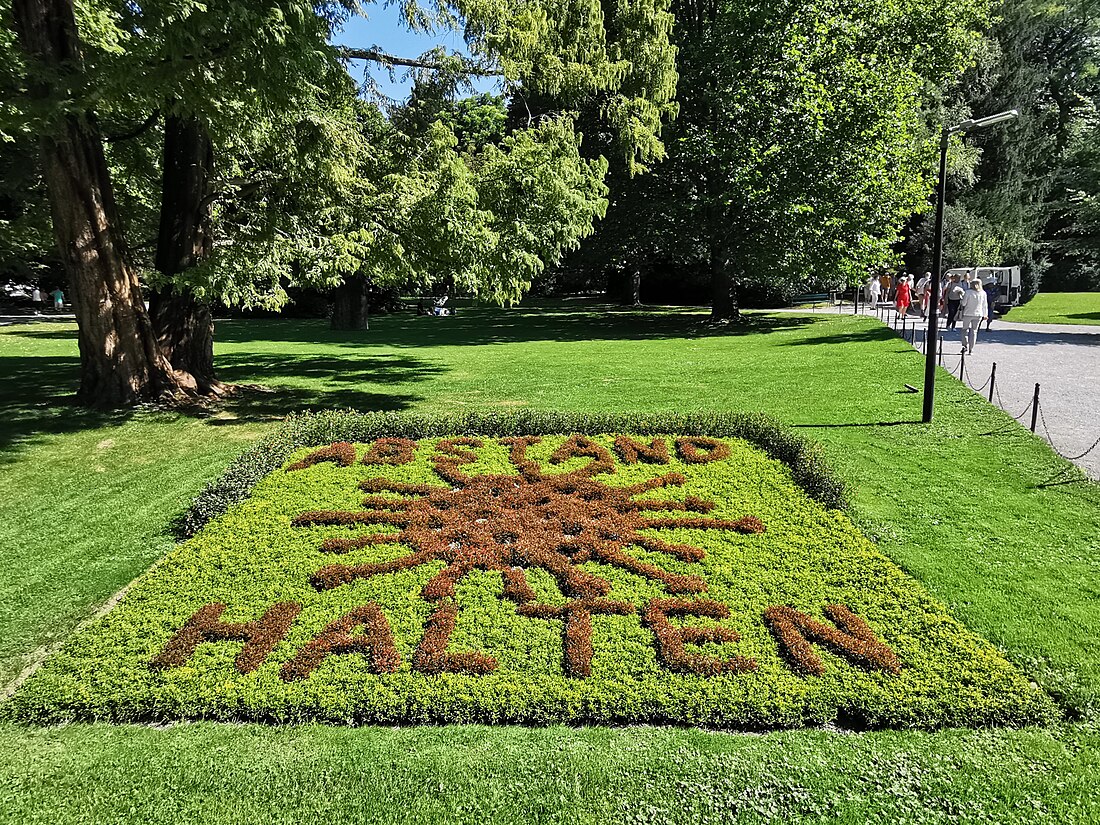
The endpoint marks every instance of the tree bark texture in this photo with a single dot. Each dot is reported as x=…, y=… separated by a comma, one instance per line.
x=183, y=323
x=120, y=363
x=351, y=304
x=184, y=328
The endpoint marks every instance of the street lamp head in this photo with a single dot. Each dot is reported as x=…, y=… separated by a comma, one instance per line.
x=983, y=122
x=992, y=120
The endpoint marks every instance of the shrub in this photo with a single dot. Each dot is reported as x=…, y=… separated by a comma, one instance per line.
x=530, y=579
x=805, y=459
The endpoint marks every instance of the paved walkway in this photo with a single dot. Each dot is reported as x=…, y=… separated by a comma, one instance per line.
x=1063, y=359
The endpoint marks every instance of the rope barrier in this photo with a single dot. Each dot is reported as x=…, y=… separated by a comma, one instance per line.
x=1095, y=444
x=970, y=383
x=995, y=389
x=1001, y=405
x=1050, y=440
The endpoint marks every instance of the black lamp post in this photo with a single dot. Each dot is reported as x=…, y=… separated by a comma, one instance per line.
x=937, y=253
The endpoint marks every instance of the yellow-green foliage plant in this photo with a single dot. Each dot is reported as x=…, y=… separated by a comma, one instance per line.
x=752, y=549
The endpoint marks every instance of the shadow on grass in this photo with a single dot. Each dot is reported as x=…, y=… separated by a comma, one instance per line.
x=356, y=382
x=1087, y=316
x=48, y=334
x=37, y=393
x=480, y=326
x=862, y=336
x=862, y=424
x=37, y=398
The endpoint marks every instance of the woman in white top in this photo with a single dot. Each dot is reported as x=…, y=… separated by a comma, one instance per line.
x=974, y=310
x=874, y=290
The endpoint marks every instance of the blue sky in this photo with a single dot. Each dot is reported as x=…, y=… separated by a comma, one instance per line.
x=383, y=27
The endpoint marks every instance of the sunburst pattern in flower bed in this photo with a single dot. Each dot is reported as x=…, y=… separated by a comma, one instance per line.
x=562, y=578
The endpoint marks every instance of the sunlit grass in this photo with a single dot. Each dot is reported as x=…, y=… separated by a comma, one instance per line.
x=1059, y=308
x=85, y=500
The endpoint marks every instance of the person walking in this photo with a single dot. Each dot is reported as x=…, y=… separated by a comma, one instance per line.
x=874, y=291
x=58, y=300
x=974, y=309
x=924, y=292
x=952, y=297
x=904, y=296
x=992, y=293
x=36, y=300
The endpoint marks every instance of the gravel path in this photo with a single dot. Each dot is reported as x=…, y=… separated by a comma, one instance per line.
x=1063, y=359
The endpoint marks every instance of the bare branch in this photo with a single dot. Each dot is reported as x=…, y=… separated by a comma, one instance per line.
x=469, y=67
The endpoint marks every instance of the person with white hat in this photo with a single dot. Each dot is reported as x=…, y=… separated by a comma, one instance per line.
x=904, y=296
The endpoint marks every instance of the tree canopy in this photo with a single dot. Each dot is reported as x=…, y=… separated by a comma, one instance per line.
x=801, y=145
x=243, y=142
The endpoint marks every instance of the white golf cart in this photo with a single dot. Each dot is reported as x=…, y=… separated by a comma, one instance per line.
x=1007, y=279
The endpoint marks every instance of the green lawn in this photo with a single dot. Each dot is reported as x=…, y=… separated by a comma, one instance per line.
x=1058, y=308
x=86, y=499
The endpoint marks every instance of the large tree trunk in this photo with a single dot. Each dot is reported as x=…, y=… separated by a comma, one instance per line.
x=351, y=304
x=723, y=285
x=120, y=363
x=183, y=323
x=184, y=328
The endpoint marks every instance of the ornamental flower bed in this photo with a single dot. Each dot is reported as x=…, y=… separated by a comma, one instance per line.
x=584, y=577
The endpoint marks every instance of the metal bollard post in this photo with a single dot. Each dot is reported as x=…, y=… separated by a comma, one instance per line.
x=962, y=365
x=940, y=351
x=1034, y=408
x=992, y=381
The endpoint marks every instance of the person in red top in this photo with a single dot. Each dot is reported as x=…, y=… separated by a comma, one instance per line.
x=904, y=296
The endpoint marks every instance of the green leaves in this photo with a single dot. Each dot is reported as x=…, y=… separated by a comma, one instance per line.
x=799, y=149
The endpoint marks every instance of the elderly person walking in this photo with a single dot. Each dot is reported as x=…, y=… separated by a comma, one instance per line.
x=974, y=310
x=924, y=292
x=874, y=291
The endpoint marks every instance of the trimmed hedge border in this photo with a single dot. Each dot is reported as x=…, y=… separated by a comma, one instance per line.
x=806, y=459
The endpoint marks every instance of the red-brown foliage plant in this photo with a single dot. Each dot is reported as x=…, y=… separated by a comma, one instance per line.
x=854, y=641
x=580, y=446
x=450, y=456
x=342, y=453
x=631, y=451
x=431, y=654
x=390, y=451
x=577, y=632
x=507, y=523
x=700, y=449
x=260, y=637
x=375, y=641
x=517, y=454
x=671, y=639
